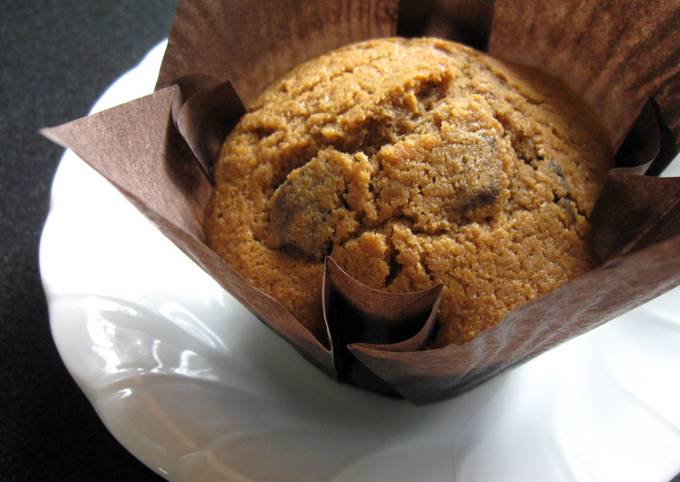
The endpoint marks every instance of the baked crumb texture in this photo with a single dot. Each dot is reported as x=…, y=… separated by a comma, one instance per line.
x=412, y=163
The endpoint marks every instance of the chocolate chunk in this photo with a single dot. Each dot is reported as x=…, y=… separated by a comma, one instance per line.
x=569, y=208
x=481, y=199
x=556, y=169
x=308, y=207
x=479, y=183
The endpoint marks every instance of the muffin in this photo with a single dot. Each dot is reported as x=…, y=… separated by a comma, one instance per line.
x=412, y=163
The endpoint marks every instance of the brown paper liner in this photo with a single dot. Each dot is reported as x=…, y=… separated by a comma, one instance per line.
x=464, y=21
x=158, y=151
x=253, y=44
x=359, y=317
x=616, y=55
x=204, y=113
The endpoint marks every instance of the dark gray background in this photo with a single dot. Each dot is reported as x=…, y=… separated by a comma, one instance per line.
x=56, y=57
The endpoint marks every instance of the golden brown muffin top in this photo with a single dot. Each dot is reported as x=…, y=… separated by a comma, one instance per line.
x=412, y=163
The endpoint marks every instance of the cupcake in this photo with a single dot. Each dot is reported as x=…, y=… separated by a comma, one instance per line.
x=412, y=163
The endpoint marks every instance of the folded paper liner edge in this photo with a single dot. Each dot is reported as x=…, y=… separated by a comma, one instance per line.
x=148, y=149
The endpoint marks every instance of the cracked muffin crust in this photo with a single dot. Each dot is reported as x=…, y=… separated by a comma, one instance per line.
x=412, y=163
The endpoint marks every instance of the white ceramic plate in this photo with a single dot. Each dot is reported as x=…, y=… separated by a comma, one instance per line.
x=196, y=388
